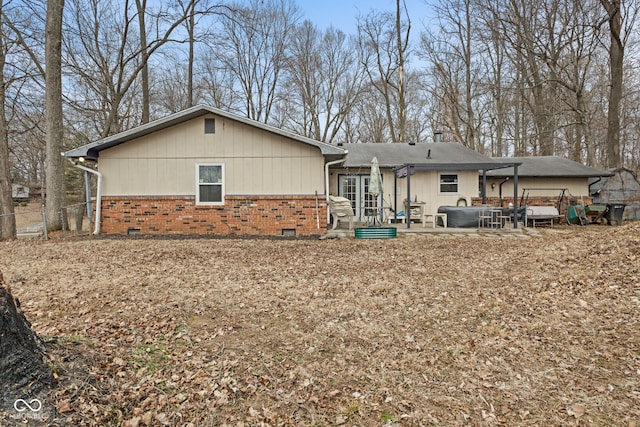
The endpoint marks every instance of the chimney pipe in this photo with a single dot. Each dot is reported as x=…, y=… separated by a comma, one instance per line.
x=437, y=137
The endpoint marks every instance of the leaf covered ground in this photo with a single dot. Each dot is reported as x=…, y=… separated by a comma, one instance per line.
x=418, y=330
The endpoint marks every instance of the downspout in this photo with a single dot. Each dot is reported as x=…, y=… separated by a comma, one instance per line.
x=326, y=182
x=500, y=189
x=593, y=183
x=515, y=200
x=87, y=192
x=98, y=194
x=484, y=186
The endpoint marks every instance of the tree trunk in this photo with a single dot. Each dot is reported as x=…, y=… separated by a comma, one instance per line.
x=191, y=33
x=402, y=103
x=141, y=5
x=616, y=58
x=23, y=372
x=7, y=220
x=54, y=131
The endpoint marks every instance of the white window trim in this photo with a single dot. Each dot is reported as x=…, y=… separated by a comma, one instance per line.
x=440, y=184
x=198, y=202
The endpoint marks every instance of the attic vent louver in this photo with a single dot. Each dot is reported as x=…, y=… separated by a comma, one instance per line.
x=209, y=125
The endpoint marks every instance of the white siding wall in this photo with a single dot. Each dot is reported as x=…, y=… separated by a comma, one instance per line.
x=424, y=184
x=256, y=162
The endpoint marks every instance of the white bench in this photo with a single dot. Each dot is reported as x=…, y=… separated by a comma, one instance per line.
x=433, y=219
x=542, y=214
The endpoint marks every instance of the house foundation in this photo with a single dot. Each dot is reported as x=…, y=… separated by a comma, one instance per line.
x=240, y=215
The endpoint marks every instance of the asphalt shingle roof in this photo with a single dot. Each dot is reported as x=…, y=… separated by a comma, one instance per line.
x=547, y=166
x=428, y=155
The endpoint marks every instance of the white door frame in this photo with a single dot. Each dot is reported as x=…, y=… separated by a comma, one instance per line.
x=355, y=188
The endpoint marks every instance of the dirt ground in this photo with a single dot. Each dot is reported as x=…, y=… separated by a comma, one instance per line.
x=418, y=330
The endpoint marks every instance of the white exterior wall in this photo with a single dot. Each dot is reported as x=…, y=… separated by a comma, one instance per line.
x=424, y=185
x=256, y=162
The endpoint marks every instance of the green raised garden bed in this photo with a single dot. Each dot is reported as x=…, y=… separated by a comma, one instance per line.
x=375, y=232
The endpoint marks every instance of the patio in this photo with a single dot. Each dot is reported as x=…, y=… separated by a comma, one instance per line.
x=417, y=229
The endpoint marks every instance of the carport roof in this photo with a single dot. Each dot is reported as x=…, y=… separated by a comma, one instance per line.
x=547, y=166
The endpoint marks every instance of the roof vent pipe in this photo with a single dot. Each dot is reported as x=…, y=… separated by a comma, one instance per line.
x=437, y=137
x=429, y=153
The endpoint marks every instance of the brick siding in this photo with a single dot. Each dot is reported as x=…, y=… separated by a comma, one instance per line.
x=534, y=201
x=240, y=215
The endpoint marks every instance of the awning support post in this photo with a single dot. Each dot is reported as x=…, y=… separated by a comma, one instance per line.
x=515, y=197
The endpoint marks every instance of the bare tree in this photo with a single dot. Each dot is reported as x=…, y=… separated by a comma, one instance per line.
x=402, y=45
x=571, y=67
x=621, y=17
x=493, y=49
x=450, y=53
x=141, y=8
x=7, y=219
x=368, y=120
x=324, y=73
x=21, y=84
x=253, y=49
x=105, y=55
x=54, y=125
x=553, y=52
x=384, y=41
x=191, y=28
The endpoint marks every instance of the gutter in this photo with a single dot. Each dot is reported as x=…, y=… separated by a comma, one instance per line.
x=326, y=182
x=96, y=230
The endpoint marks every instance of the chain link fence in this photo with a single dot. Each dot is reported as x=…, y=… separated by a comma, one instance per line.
x=33, y=222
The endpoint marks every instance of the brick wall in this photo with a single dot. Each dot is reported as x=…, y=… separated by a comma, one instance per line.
x=241, y=215
x=534, y=201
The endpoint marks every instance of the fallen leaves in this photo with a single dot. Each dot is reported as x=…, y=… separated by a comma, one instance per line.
x=415, y=330
x=576, y=410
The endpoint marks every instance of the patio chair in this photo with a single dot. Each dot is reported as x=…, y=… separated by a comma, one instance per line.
x=340, y=209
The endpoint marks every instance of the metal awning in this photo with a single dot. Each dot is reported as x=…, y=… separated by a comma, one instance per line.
x=409, y=169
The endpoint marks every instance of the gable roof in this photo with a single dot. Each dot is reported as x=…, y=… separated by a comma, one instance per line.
x=423, y=156
x=93, y=149
x=548, y=166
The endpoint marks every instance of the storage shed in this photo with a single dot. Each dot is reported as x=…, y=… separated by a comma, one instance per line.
x=622, y=187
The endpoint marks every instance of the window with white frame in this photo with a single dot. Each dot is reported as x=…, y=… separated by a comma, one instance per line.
x=210, y=184
x=449, y=183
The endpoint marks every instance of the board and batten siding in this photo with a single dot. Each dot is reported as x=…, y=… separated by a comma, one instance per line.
x=256, y=161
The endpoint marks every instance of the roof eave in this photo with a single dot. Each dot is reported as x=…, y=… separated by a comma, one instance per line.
x=93, y=150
